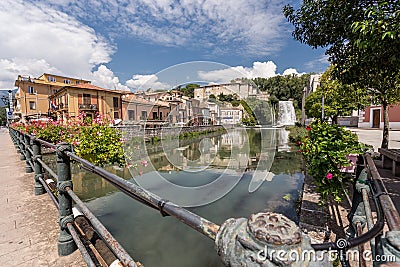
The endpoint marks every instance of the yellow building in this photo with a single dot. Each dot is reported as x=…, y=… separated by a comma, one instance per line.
x=70, y=100
x=32, y=97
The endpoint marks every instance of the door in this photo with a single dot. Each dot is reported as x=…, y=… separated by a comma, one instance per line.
x=376, y=118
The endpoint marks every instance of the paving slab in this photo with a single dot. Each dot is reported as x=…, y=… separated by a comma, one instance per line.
x=28, y=223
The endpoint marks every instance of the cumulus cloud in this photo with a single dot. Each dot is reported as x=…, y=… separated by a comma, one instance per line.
x=143, y=82
x=250, y=27
x=105, y=78
x=291, y=71
x=259, y=69
x=36, y=38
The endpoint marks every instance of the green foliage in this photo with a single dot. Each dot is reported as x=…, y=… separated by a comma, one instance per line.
x=324, y=150
x=261, y=110
x=188, y=90
x=99, y=144
x=296, y=134
x=339, y=99
x=284, y=88
x=363, y=44
x=248, y=120
x=93, y=140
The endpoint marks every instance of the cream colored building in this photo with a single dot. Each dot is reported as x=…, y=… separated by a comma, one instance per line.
x=68, y=101
x=243, y=90
x=32, y=96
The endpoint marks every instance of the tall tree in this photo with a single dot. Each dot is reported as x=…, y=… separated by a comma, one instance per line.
x=363, y=43
x=339, y=99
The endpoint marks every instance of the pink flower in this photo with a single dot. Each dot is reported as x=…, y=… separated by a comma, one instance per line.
x=329, y=176
x=144, y=163
x=140, y=173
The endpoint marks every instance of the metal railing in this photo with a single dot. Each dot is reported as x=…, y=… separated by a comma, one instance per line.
x=237, y=241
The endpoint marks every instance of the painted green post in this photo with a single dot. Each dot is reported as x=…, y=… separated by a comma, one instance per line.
x=66, y=244
x=28, y=154
x=21, y=146
x=37, y=154
x=15, y=139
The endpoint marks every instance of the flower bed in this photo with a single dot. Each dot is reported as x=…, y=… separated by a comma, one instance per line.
x=325, y=150
x=92, y=139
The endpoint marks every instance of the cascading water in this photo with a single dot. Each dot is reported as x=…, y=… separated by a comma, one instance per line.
x=286, y=114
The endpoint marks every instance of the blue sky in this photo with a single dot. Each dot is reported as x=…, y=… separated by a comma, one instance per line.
x=131, y=44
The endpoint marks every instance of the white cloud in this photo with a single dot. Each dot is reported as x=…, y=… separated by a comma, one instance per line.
x=259, y=69
x=320, y=64
x=291, y=71
x=105, y=78
x=36, y=38
x=250, y=27
x=143, y=82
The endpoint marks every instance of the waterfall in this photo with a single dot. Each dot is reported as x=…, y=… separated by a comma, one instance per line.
x=286, y=114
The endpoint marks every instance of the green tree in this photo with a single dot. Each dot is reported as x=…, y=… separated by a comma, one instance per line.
x=188, y=90
x=339, y=99
x=284, y=88
x=363, y=43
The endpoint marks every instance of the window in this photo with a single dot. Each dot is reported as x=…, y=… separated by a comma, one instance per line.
x=155, y=116
x=144, y=115
x=77, y=82
x=86, y=99
x=115, y=102
x=51, y=79
x=66, y=81
x=160, y=116
x=32, y=105
x=116, y=115
x=131, y=115
x=31, y=90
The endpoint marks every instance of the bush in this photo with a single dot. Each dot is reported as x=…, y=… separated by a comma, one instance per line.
x=93, y=140
x=324, y=150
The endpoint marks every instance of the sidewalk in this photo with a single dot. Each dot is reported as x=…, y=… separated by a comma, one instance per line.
x=28, y=223
x=374, y=137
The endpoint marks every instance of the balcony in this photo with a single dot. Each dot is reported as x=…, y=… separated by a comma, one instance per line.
x=87, y=106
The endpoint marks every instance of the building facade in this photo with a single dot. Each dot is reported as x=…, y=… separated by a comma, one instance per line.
x=68, y=101
x=372, y=117
x=242, y=90
x=32, y=96
x=231, y=115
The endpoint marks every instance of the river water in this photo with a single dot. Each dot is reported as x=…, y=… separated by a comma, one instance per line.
x=234, y=174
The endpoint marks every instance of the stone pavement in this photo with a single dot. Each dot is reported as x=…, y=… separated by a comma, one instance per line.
x=374, y=137
x=28, y=223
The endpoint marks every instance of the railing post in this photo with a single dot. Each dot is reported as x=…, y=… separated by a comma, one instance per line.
x=15, y=139
x=28, y=154
x=21, y=145
x=37, y=154
x=66, y=244
x=357, y=212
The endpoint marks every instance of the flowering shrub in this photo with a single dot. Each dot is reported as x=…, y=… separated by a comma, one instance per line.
x=324, y=150
x=93, y=140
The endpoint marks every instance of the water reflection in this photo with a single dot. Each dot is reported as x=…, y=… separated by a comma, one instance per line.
x=239, y=154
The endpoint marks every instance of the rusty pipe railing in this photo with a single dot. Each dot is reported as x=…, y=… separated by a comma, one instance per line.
x=198, y=223
x=391, y=214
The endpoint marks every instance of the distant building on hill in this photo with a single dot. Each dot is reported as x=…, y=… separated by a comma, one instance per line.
x=239, y=88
